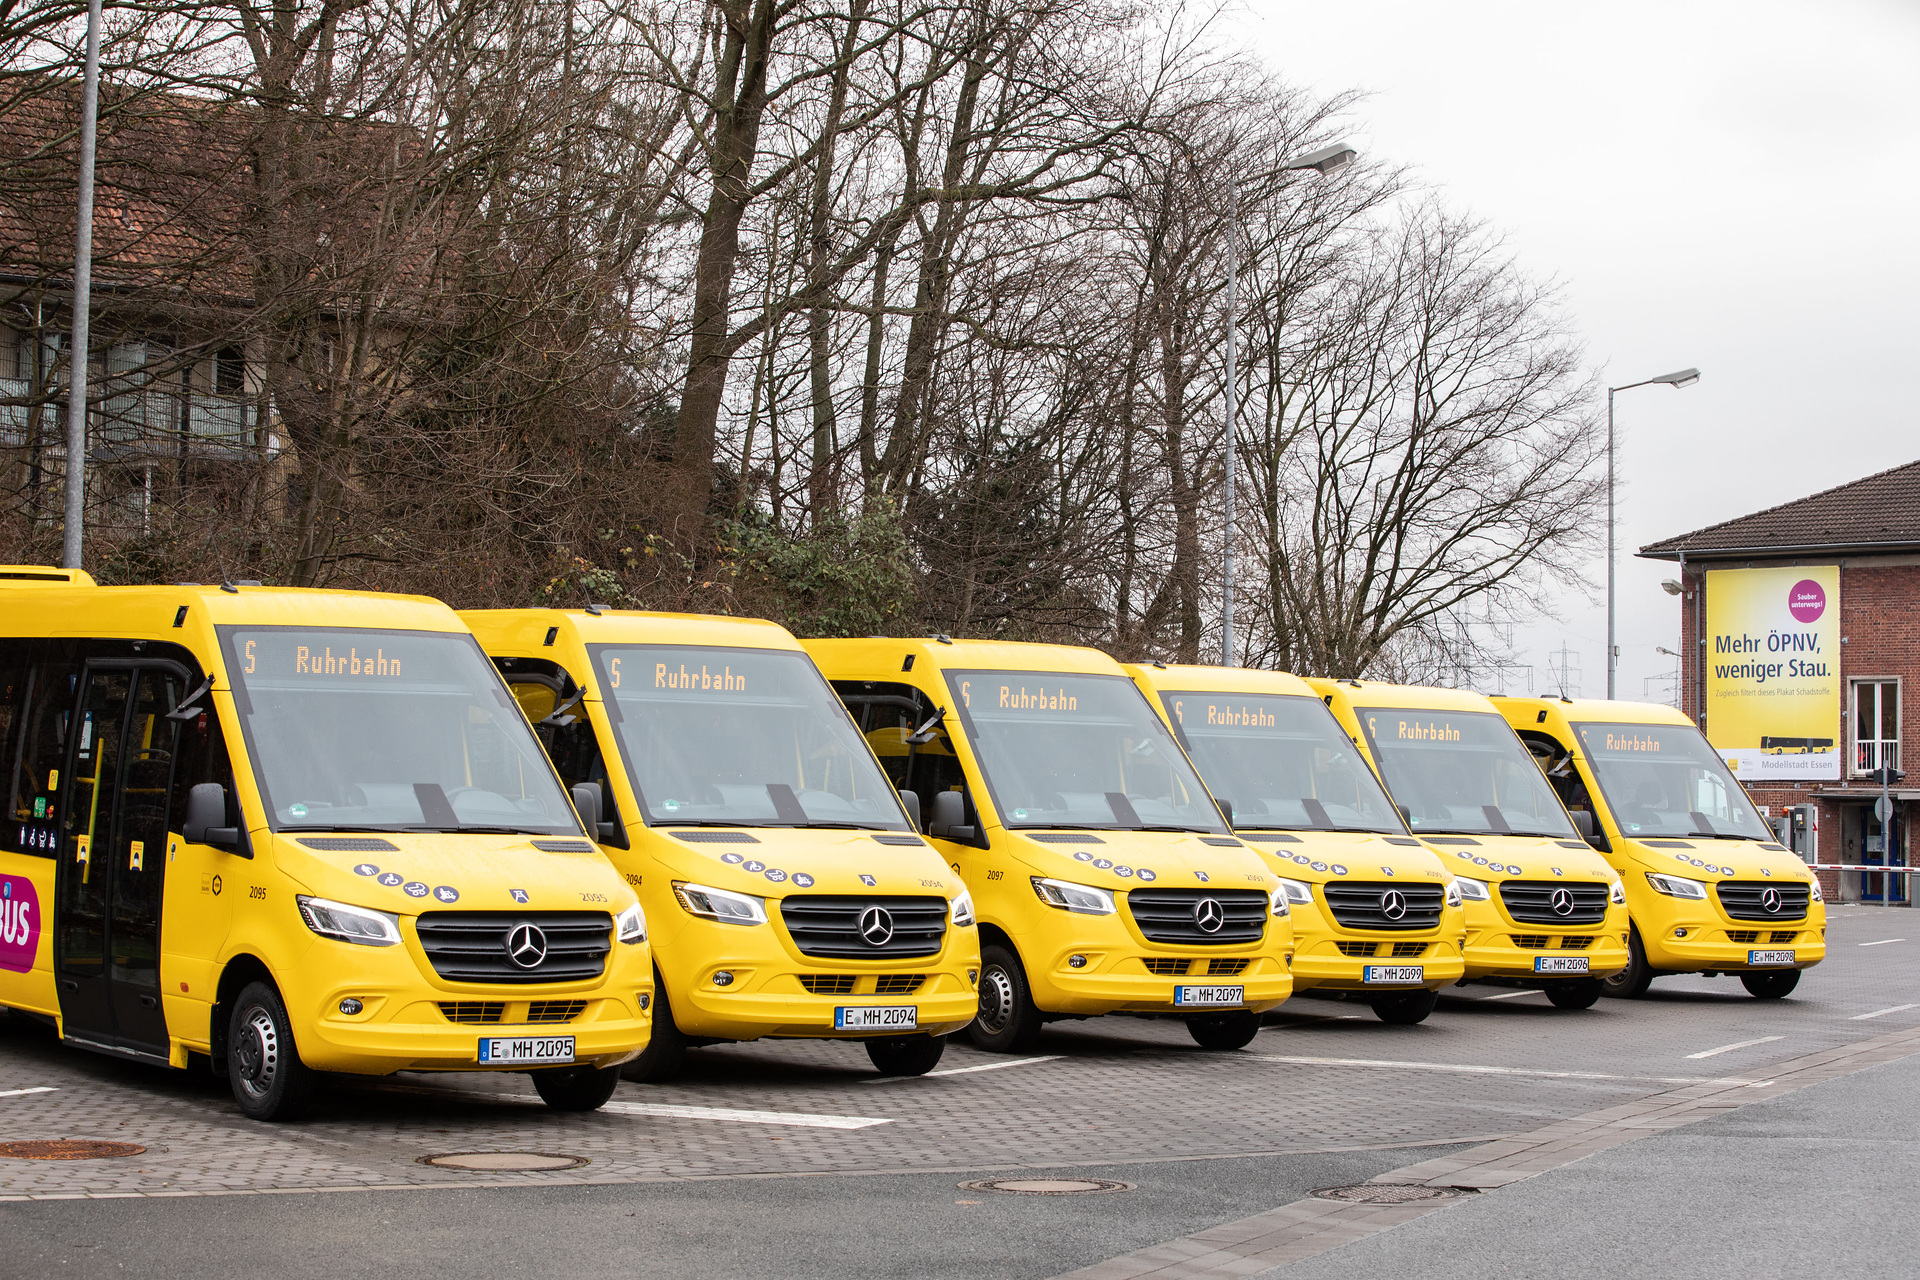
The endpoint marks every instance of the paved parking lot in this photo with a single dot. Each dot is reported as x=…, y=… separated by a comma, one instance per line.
x=795, y=1159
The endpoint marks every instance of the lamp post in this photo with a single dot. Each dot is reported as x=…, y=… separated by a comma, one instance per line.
x=1683, y=378
x=1323, y=161
x=76, y=495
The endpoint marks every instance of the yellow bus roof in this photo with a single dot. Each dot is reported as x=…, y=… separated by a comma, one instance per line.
x=1178, y=677
x=1594, y=710
x=40, y=575
x=1413, y=697
x=69, y=610
x=527, y=628
x=877, y=655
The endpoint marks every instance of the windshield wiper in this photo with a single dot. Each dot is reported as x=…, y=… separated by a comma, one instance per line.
x=353, y=827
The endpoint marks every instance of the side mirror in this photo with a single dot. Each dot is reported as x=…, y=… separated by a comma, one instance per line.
x=910, y=800
x=1406, y=814
x=1226, y=811
x=206, y=818
x=586, y=801
x=1583, y=823
x=949, y=820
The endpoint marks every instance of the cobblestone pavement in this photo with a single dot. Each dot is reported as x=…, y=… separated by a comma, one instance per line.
x=1324, y=1076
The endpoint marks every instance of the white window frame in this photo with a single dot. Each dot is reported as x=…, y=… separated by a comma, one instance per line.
x=1867, y=750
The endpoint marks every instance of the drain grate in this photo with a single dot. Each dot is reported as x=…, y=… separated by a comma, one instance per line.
x=504, y=1161
x=1047, y=1186
x=68, y=1149
x=1391, y=1193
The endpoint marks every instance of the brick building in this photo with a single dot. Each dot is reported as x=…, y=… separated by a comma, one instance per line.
x=1870, y=530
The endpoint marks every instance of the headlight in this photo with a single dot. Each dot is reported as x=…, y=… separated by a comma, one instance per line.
x=1277, y=900
x=631, y=925
x=1472, y=890
x=962, y=908
x=1083, y=898
x=1619, y=894
x=1813, y=887
x=720, y=904
x=343, y=923
x=1299, y=892
x=1676, y=886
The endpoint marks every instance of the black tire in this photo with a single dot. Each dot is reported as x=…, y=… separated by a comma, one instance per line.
x=1631, y=982
x=906, y=1055
x=263, y=1064
x=1223, y=1030
x=575, y=1088
x=1405, y=1008
x=1008, y=1021
x=1770, y=986
x=1583, y=994
x=665, y=1056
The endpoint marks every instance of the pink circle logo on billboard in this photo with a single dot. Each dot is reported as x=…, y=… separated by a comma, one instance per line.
x=19, y=923
x=1807, y=601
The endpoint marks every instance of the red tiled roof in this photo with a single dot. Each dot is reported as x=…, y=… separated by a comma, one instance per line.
x=1880, y=512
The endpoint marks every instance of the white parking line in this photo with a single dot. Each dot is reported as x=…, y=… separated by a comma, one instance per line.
x=1729, y=1048
x=1879, y=1013
x=47, y=1088
x=800, y=1118
x=1883, y=942
x=961, y=1071
x=1510, y=995
x=1466, y=1069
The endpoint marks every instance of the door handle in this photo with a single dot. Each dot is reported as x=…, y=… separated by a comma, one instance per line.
x=150, y=1002
x=70, y=984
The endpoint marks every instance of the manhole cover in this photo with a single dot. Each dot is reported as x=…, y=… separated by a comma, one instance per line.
x=504, y=1161
x=67, y=1149
x=1046, y=1186
x=1391, y=1193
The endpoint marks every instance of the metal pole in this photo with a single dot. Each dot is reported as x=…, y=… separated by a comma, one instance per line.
x=82, y=300
x=1233, y=280
x=1610, y=645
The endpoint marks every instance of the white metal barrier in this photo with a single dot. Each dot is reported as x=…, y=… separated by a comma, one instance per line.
x=1870, y=867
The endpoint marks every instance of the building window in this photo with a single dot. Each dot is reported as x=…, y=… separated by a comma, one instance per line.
x=1876, y=725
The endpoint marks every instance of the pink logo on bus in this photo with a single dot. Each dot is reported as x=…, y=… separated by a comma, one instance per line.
x=19, y=923
x=1807, y=601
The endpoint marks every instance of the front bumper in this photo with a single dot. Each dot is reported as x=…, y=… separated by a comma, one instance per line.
x=1717, y=946
x=772, y=1002
x=1511, y=953
x=399, y=1031
x=1321, y=965
x=1118, y=980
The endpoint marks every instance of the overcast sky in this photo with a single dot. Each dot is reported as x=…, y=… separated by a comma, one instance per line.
x=1732, y=186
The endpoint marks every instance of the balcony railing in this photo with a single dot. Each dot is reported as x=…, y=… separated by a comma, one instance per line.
x=138, y=425
x=1875, y=753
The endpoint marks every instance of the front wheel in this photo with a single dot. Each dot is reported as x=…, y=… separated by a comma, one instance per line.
x=1223, y=1030
x=1008, y=1021
x=576, y=1088
x=1583, y=994
x=263, y=1065
x=906, y=1055
x=1631, y=982
x=1405, y=1008
x=1770, y=986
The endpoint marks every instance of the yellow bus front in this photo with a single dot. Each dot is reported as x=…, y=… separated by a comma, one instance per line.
x=788, y=892
x=1542, y=909
x=1105, y=880
x=1708, y=888
x=1373, y=912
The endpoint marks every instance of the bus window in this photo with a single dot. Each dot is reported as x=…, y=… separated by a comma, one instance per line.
x=889, y=715
x=573, y=747
x=43, y=749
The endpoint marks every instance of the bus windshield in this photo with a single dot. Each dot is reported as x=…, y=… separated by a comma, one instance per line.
x=1078, y=751
x=1282, y=762
x=366, y=730
x=1665, y=780
x=1462, y=772
x=740, y=738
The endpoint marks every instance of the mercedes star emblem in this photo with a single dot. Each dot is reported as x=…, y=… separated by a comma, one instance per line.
x=1393, y=904
x=1209, y=915
x=526, y=945
x=1770, y=900
x=876, y=926
x=1562, y=902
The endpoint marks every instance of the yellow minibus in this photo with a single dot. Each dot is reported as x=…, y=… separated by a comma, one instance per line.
x=1374, y=913
x=1542, y=909
x=297, y=831
x=1104, y=878
x=1709, y=889
x=788, y=892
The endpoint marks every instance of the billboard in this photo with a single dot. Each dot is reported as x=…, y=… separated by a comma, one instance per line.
x=1772, y=657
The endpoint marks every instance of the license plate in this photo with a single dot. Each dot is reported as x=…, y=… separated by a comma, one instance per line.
x=876, y=1017
x=1769, y=957
x=1392, y=973
x=1560, y=964
x=538, y=1051
x=1187, y=997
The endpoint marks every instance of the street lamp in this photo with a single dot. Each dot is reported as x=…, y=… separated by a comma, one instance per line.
x=1323, y=161
x=76, y=495
x=1683, y=378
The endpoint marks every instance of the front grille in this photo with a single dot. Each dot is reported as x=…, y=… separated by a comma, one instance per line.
x=1176, y=915
x=1745, y=899
x=1362, y=904
x=828, y=984
x=349, y=844
x=903, y=841
x=1064, y=837
x=1784, y=935
x=1531, y=901
x=472, y=1010
x=472, y=946
x=1530, y=941
x=829, y=925
x=1576, y=942
x=1166, y=966
x=715, y=837
x=1228, y=966
x=555, y=1010
x=898, y=984
x=563, y=846
x=1743, y=935
x=1355, y=948
x=1408, y=950
x=1223, y=842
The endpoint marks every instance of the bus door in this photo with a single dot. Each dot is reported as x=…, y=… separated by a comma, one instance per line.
x=113, y=858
